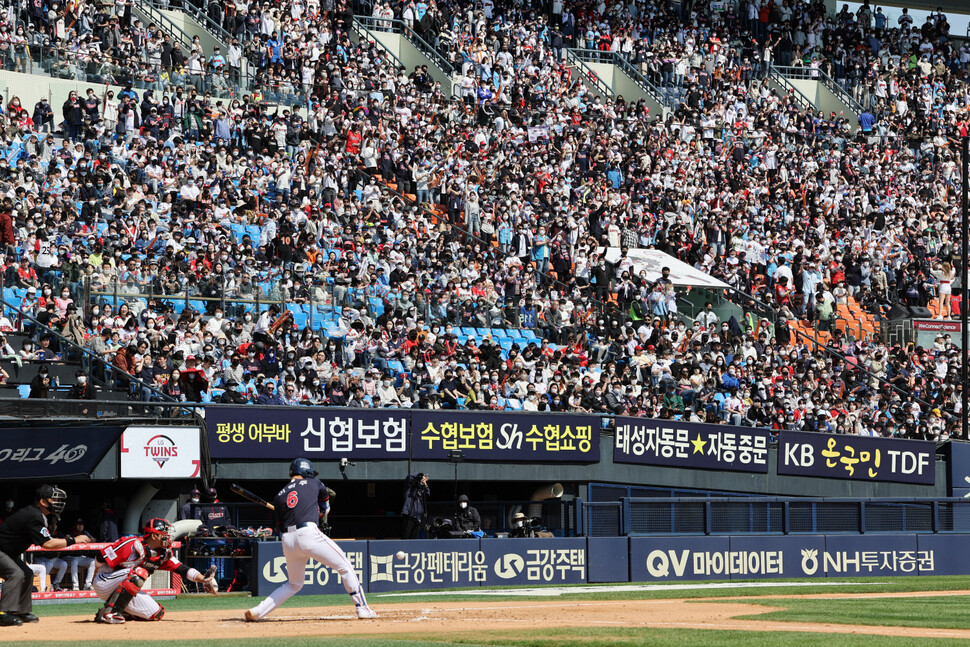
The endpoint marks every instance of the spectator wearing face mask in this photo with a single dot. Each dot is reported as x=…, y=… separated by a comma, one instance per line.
x=188, y=508
x=467, y=517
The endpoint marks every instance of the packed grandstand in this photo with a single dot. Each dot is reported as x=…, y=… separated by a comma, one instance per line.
x=299, y=220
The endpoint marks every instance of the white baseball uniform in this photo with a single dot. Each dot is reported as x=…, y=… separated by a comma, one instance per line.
x=56, y=566
x=299, y=546
x=77, y=562
x=107, y=582
x=40, y=571
x=297, y=508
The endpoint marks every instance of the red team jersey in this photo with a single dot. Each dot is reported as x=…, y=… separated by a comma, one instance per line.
x=129, y=552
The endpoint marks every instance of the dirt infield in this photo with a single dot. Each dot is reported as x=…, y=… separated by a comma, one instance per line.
x=432, y=618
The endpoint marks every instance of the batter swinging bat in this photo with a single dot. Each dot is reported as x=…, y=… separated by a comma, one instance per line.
x=246, y=494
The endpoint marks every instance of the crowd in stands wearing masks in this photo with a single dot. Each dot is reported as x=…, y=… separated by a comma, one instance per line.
x=450, y=251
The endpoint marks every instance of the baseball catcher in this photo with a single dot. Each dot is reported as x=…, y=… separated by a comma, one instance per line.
x=125, y=566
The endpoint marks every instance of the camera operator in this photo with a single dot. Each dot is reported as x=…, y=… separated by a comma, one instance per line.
x=521, y=526
x=415, y=507
x=467, y=517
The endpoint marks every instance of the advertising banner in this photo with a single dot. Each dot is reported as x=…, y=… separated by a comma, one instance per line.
x=317, y=433
x=270, y=569
x=535, y=561
x=857, y=458
x=160, y=452
x=487, y=435
x=427, y=564
x=673, y=443
x=48, y=452
x=867, y=556
x=654, y=559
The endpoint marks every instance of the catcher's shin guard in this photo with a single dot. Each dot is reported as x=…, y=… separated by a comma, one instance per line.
x=118, y=601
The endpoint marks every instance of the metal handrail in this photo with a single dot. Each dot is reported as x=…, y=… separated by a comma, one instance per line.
x=645, y=84
x=588, y=75
x=771, y=315
x=612, y=58
x=816, y=74
x=363, y=33
x=370, y=23
x=84, y=352
x=782, y=80
x=428, y=50
x=215, y=30
x=153, y=14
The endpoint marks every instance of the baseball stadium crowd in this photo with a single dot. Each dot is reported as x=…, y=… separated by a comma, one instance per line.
x=452, y=252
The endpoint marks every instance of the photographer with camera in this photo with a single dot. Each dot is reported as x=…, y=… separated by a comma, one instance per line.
x=415, y=507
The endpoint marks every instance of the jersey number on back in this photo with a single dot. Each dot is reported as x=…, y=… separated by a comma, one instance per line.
x=291, y=500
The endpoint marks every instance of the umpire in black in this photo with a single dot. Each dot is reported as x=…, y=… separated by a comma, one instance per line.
x=28, y=526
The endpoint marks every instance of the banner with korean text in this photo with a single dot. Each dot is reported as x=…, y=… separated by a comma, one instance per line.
x=317, y=433
x=857, y=458
x=485, y=435
x=673, y=443
x=48, y=452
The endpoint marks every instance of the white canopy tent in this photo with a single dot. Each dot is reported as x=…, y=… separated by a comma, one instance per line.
x=652, y=261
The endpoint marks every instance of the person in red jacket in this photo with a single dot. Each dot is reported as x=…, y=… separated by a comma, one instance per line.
x=7, y=237
x=125, y=566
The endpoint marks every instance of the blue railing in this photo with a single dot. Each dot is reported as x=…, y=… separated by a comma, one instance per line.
x=631, y=516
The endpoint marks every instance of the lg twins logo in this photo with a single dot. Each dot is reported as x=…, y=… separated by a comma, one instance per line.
x=160, y=448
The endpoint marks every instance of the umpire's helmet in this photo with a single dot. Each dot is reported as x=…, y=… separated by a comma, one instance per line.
x=57, y=496
x=157, y=526
x=303, y=467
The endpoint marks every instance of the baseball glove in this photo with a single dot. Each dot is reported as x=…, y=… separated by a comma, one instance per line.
x=209, y=583
x=324, y=528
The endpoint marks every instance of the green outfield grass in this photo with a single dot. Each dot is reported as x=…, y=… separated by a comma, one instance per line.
x=949, y=612
x=597, y=637
x=946, y=612
x=860, y=585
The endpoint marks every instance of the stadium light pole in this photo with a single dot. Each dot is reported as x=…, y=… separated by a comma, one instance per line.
x=964, y=235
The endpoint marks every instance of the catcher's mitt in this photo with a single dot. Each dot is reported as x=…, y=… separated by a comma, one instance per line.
x=209, y=583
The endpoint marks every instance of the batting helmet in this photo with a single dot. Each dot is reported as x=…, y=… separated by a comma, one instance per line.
x=303, y=467
x=157, y=526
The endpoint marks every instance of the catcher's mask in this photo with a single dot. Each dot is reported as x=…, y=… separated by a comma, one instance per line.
x=160, y=528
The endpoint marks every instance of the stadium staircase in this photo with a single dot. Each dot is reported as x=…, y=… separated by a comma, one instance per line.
x=824, y=92
x=407, y=47
x=109, y=379
x=610, y=75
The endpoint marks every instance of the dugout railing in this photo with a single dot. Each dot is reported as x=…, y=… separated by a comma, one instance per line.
x=633, y=516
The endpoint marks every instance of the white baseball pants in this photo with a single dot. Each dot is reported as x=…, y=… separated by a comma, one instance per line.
x=41, y=572
x=55, y=566
x=77, y=562
x=300, y=546
x=107, y=582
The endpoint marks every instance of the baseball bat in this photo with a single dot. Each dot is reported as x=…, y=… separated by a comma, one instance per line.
x=246, y=494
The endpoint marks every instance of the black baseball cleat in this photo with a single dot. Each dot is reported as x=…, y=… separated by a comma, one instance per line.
x=27, y=617
x=9, y=620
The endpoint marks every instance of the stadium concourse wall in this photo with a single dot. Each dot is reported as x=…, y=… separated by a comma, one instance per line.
x=456, y=563
x=31, y=88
